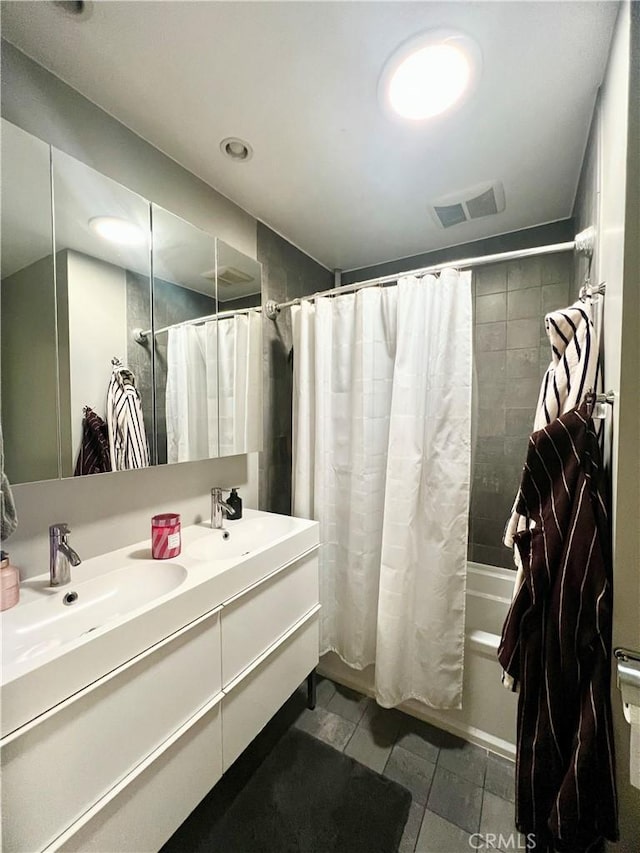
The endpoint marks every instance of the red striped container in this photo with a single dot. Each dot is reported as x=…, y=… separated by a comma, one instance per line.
x=165, y=536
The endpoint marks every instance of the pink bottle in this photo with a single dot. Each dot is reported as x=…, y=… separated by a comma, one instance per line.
x=165, y=536
x=9, y=583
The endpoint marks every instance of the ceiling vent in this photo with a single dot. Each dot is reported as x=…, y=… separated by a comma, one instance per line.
x=228, y=276
x=450, y=214
x=479, y=201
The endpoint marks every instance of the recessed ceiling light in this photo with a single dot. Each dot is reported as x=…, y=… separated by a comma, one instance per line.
x=75, y=8
x=236, y=149
x=118, y=230
x=428, y=74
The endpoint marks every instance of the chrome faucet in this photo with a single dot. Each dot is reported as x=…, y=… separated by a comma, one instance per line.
x=218, y=508
x=61, y=555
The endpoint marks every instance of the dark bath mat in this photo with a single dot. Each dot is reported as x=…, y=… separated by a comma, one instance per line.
x=306, y=797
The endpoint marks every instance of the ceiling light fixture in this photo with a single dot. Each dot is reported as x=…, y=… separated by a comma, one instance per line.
x=428, y=74
x=118, y=230
x=75, y=8
x=236, y=149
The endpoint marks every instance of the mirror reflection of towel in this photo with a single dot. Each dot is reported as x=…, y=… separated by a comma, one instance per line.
x=8, y=515
x=128, y=447
x=94, y=456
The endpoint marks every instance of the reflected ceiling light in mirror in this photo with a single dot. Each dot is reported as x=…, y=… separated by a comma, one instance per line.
x=118, y=230
x=429, y=74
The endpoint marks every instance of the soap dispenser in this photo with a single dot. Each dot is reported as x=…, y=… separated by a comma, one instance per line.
x=235, y=502
x=9, y=583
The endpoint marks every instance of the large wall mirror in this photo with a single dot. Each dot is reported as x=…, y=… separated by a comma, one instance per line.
x=184, y=309
x=239, y=351
x=103, y=275
x=28, y=311
x=129, y=336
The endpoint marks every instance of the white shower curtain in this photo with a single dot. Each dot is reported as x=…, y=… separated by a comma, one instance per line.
x=192, y=393
x=214, y=388
x=382, y=422
x=240, y=383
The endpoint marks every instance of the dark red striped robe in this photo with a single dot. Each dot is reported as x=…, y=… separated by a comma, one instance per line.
x=556, y=643
x=94, y=456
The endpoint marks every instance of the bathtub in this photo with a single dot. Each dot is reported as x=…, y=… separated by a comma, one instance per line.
x=488, y=713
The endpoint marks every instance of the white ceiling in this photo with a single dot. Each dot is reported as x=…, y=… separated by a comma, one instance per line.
x=298, y=80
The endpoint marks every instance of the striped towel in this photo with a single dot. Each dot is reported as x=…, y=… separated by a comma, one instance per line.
x=127, y=437
x=94, y=456
x=574, y=369
x=556, y=642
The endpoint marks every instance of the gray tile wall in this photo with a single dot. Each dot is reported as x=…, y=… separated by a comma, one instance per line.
x=526, y=238
x=511, y=356
x=139, y=355
x=250, y=301
x=585, y=209
x=286, y=274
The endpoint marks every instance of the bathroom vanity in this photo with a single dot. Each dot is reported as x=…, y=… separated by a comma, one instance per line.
x=122, y=707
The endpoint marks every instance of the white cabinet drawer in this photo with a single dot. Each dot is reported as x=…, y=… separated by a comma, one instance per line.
x=255, y=697
x=62, y=763
x=146, y=813
x=256, y=619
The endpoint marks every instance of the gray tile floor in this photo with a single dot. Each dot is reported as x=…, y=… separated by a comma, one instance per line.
x=458, y=789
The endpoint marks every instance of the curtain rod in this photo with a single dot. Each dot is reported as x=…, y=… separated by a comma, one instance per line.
x=272, y=309
x=140, y=335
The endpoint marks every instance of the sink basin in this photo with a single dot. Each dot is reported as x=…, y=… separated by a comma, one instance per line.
x=126, y=603
x=242, y=537
x=44, y=624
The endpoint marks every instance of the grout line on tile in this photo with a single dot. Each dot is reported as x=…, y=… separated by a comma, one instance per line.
x=387, y=761
x=344, y=748
x=484, y=774
x=424, y=811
